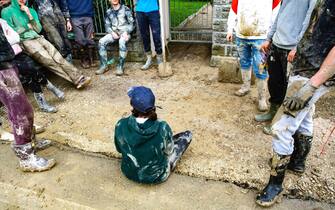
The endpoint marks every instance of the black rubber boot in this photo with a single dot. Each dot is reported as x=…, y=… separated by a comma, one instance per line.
x=302, y=147
x=271, y=193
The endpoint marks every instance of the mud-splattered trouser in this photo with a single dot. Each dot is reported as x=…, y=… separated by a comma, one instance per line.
x=20, y=112
x=250, y=56
x=107, y=39
x=284, y=129
x=56, y=32
x=181, y=142
x=47, y=55
x=29, y=72
x=278, y=74
x=147, y=21
x=83, y=31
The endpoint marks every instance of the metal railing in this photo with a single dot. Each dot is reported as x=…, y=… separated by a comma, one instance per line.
x=191, y=21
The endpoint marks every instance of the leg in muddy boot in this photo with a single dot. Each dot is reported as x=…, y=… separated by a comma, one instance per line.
x=271, y=193
x=302, y=147
x=262, y=100
x=56, y=91
x=91, y=51
x=123, y=54
x=269, y=115
x=181, y=143
x=148, y=62
x=246, y=78
x=43, y=104
x=84, y=62
x=103, y=42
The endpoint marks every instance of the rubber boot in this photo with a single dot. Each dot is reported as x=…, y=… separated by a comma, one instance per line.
x=246, y=78
x=269, y=115
x=84, y=62
x=29, y=161
x=57, y=92
x=120, y=67
x=262, y=100
x=271, y=193
x=302, y=147
x=159, y=59
x=148, y=62
x=43, y=104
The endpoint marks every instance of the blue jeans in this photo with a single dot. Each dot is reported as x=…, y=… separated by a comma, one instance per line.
x=107, y=39
x=147, y=20
x=248, y=50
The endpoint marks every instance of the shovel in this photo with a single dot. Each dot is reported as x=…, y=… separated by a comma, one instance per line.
x=164, y=69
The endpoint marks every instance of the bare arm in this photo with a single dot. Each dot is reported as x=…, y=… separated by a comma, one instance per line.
x=326, y=71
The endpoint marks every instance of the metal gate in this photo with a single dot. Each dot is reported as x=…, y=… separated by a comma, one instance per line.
x=191, y=21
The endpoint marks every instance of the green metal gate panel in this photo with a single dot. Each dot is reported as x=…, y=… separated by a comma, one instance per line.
x=191, y=21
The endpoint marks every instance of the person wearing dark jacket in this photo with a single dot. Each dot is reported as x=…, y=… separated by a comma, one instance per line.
x=149, y=150
x=20, y=112
x=82, y=13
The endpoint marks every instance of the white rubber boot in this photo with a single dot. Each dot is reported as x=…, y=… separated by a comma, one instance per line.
x=246, y=78
x=262, y=100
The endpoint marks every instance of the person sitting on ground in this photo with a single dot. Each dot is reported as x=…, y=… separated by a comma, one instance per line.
x=82, y=13
x=20, y=112
x=148, y=17
x=29, y=72
x=25, y=22
x=252, y=21
x=55, y=26
x=149, y=151
x=119, y=23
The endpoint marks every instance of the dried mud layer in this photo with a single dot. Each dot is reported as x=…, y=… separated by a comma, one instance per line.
x=228, y=144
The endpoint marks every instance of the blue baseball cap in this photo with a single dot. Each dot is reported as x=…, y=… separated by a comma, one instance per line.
x=141, y=98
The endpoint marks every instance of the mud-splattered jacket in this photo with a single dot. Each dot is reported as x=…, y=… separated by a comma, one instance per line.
x=145, y=149
x=48, y=8
x=252, y=19
x=119, y=21
x=317, y=42
x=19, y=21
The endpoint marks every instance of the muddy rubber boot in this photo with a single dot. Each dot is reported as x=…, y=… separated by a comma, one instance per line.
x=269, y=115
x=271, y=193
x=246, y=78
x=5, y=135
x=120, y=67
x=302, y=147
x=29, y=161
x=91, y=51
x=262, y=100
x=57, y=92
x=43, y=104
x=148, y=62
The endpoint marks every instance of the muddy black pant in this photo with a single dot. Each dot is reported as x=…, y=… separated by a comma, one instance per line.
x=278, y=75
x=29, y=72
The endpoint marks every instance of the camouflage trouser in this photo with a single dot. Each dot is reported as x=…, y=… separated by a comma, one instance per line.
x=20, y=112
x=56, y=32
x=286, y=126
x=107, y=39
x=47, y=55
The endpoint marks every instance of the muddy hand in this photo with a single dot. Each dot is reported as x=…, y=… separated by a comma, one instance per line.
x=299, y=100
x=291, y=55
x=265, y=47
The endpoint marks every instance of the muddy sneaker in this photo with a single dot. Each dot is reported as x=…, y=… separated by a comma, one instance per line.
x=83, y=82
x=29, y=161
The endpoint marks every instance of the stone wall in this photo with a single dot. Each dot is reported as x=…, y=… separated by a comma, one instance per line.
x=224, y=54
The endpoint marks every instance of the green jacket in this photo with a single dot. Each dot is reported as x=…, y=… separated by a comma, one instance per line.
x=19, y=21
x=145, y=149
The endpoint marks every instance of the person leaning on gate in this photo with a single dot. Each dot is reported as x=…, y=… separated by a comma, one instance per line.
x=281, y=45
x=20, y=112
x=252, y=21
x=292, y=129
x=29, y=70
x=147, y=15
x=25, y=22
x=149, y=150
x=119, y=23
x=55, y=26
x=82, y=13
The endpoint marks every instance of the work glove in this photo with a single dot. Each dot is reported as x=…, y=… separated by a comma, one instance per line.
x=300, y=99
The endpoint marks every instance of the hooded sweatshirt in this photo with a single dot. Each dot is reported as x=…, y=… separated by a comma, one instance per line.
x=19, y=21
x=145, y=148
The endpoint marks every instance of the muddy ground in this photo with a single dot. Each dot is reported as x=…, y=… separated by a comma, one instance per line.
x=228, y=144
